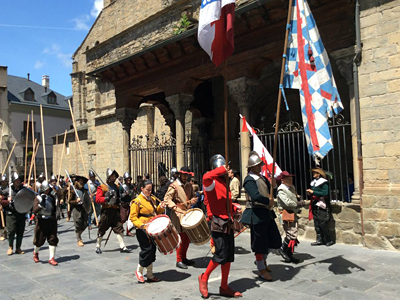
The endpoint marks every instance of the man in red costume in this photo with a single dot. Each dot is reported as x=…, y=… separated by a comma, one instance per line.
x=220, y=211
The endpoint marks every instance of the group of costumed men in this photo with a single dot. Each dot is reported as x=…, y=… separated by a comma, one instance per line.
x=112, y=203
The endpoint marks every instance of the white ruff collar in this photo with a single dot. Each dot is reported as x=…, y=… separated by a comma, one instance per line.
x=318, y=182
x=254, y=176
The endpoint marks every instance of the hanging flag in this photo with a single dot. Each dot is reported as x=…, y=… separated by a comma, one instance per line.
x=308, y=69
x=215, y=33
x=259, y=147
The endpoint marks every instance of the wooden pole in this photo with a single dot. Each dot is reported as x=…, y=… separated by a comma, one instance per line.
x=26, y=149
x=35, y=147
x=83, y=162
x=225, y=75
x=278, y=109
x=1, y=142
x=8, y=159
x=43, y=143
x=56, y=152
x=35, y=144
x=61, y=159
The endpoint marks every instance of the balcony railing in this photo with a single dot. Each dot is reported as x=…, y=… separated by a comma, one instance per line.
x=35, y=134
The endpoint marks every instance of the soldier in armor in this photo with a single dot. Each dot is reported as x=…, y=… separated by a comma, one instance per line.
x=44, y=207
x=260, y=216
x=179, y=198
x=126, y=192
x=39, y=181
x=108, y=196
x=3, y=192
x=92, y=186
x=76, y=205
x=15, y=220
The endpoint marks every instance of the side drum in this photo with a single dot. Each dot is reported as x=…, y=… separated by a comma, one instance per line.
x=163, y=233
x=195, y=226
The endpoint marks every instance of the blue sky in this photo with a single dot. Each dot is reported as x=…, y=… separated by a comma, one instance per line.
x=39, y=37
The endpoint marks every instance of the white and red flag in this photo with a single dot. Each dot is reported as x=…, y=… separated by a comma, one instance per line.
x=259, y=147
x=215, y=33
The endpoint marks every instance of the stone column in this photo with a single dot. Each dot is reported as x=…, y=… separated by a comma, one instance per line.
x=344, y=61
x=179, y=104
x=150, y=114
x=126, y=116
x=242, y=90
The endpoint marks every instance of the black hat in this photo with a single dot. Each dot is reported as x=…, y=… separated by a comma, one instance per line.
x=186, y=170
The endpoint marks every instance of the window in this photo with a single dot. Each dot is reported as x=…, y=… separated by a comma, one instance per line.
x=51, y=99
x=29, y=95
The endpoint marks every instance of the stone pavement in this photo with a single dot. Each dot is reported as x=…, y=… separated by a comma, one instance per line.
x=337, y=272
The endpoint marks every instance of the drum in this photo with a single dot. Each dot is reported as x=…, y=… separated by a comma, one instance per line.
x=237, y=224
x=163, y=233
x=195, y=226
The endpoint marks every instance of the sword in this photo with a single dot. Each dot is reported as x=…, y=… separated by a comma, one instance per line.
x=105, y=244
x=70, y=180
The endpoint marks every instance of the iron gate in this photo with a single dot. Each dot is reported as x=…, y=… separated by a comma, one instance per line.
x=292, y=155
x=157, y=156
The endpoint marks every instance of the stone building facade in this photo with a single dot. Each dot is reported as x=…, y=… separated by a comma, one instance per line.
x=132, y=72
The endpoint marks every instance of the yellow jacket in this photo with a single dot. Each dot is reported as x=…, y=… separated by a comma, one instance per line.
x=142, y=210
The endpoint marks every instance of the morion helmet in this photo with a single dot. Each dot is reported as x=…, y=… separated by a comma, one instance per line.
x=216, y=161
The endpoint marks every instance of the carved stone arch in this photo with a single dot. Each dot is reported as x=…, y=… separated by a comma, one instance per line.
x=190, y=86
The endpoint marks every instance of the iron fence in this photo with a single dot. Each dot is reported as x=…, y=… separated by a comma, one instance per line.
x=292, y=155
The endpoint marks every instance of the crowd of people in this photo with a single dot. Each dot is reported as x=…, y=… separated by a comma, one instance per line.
x=119, y=202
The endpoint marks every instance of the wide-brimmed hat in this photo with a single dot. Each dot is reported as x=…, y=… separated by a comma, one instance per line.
x=284, y=174
x=186, y=170
x=78, y=177
x=319, y=171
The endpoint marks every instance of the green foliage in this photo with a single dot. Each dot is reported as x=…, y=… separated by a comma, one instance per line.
x=183, y=25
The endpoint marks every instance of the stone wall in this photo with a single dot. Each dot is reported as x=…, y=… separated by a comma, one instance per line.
x=380, y=115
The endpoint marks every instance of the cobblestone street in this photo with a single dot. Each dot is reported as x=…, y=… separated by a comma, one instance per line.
x=337, y=272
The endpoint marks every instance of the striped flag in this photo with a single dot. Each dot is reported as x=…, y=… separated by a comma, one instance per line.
x=215, y=33
x=308, y=69
x=259, y=147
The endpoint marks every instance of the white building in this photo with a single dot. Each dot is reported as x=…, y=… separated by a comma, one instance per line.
x=19, y=97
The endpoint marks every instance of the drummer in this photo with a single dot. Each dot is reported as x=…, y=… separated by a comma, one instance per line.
x=177, y=199
x=15, y=221
x=143, y=208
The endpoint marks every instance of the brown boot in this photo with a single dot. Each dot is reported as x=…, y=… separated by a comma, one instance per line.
x=265, y=275
x=80, y=243
x=19, y=251
x=10, y=251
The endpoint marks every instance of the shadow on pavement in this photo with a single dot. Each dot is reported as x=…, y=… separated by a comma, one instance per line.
x=243, y=284
x=172, y=275
x=241, y=250
x=67, y=258
x=303, y=256
x=132, y=247
x=340, y=265
x=201, y=262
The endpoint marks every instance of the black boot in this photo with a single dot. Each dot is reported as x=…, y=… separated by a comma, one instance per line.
x=290, y=250
x=319, y=240
x=284, y=250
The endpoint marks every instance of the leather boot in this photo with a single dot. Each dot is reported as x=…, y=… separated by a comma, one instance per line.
x=10, y=251
x=35, y=257
x=319, y=240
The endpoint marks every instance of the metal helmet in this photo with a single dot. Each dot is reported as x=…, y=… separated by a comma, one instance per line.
x=127, y=175
x=53, y=177
x=44, y=186
x=109, y=172
x=216, y=161
x=14, y=176
x=3, y=177
x=254, y=160
x=41, y=175
x=91, y=173
x=174, y=171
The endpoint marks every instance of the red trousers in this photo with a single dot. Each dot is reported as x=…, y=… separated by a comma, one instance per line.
x=181, y=251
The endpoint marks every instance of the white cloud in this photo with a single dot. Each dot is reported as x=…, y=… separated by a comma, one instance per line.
x=81, y=22
x=38, y=64
x=64, y=58
x=97, y=7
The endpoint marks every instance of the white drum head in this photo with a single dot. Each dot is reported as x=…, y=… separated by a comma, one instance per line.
x=158, y=225
x=192, y=217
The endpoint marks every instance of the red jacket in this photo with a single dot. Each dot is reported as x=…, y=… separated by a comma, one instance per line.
x=214, y=188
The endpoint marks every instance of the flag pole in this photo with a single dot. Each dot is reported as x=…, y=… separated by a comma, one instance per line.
x=278, y=109
x=225, y=75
